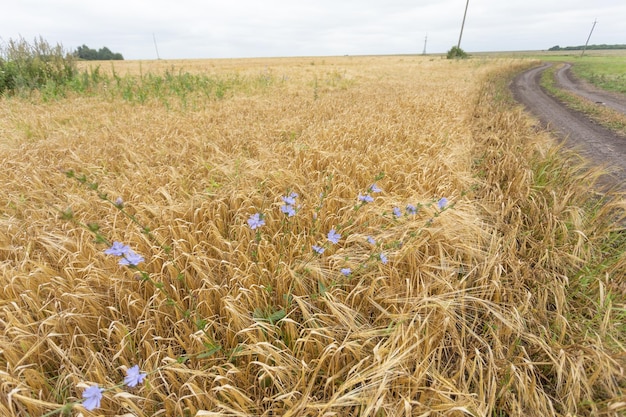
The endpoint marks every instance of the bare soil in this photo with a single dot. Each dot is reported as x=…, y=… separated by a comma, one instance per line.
x=600, y=146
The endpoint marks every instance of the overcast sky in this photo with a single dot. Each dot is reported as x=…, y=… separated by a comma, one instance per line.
x=264, y=28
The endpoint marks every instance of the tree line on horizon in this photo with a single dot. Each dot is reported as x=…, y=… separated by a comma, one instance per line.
x=103, y=54
x=581, y=47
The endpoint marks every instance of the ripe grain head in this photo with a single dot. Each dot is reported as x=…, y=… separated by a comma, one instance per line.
x=472, y=314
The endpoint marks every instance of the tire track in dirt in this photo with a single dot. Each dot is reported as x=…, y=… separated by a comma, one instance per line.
x=597, y=144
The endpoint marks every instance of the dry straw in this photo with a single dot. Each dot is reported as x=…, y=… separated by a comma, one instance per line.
x=508, y=302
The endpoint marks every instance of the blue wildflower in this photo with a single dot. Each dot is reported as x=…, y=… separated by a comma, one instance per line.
x=288, y=209
x=346, y=271
x=333, y=236
x=366, y=198
x=371, y=240
x=290, y=199
x=318, y=249
x=131, y=258
x=397, y=212
x=92, y=397
x=442, y=203
x=128, y=256
x=118, y=249
x=411, y=209
x=383, y=258
x=134, y=376
x=374, y=189
x=255, y=221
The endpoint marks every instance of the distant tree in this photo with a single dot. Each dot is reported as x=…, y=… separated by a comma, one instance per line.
x=457, y=53
x=84, y=52
x=555, y=48
x=103, y=54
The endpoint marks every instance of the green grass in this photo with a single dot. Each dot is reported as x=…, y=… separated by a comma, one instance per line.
x=607, y=72
x=607, y=117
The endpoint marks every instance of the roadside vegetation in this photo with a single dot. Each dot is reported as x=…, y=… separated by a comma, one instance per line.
x=607, y=72
x=355, y=236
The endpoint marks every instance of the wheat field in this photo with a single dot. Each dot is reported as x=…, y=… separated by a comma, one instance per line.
x=422, y=247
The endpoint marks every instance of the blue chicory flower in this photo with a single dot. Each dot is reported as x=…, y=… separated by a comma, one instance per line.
x=346, y=271
x=92, y=397
x=333, y=236
x=118, y=249
x=442, y=203
x=288, y=209
x=134, y=376
x=366, y=198
x=374, y=189
x=290, y=199
x=371, y=240
x=397, y=212
x=131, y=258
x=255, y=221
x=383, y=258
x=411, y=209
x=318, y=249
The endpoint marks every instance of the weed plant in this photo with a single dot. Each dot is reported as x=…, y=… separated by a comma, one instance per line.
x=247, y=256
x=26, y=66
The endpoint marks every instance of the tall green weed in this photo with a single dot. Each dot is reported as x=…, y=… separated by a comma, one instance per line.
x=25, y=67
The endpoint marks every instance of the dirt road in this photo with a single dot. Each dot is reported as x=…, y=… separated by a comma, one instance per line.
x=597, y=144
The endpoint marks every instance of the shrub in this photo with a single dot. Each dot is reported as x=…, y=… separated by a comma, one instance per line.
x=457, y=53
x=25, y=67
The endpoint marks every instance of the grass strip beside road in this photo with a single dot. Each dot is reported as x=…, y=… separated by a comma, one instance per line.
x=606, y=72
x=602, y=115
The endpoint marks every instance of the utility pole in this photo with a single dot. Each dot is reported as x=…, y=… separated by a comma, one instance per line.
x=463, y=24
x=155, y=46
x=425, y=40
x=589, y=37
